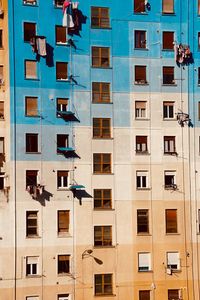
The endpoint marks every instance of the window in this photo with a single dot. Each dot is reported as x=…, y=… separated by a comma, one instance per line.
x=61, y=37
x=31, y=106
x=102, y=198
x=100, y=92
x=63, y=222
x=140, y=39
x=168, y=6
x=31, y=142
x=144, y=295
x=168, y=40
x=63, y=297
x=103, y=284
x=1, y=38
x=1, y=110
x=62, y=179
x=142, y=221
x=2, y=143
x=62, y=141
x=31, y=178
x=169, y=145
x=59, y=3
x=102, y=235
x=63, y=264
x=1, y=75
x=173, y=260
x=140, y=109
x=100, y=17
x=174, y=295
x=101, y=128
x=2, y=177
x=168, y=75
x=198, y=222
x=171, y=220
x=140, y=75
x=29, y=31
x=61, y=71
x=31, y=223
x=32, y=265
x=30, y=69
x=62, y=104
x=170, y=180
x=139, y=6
x=141, y=179
x=168, y=110
x=100, y=57
x=198, y=76
x=141, y=144
x=144, y=262
x=102, y=163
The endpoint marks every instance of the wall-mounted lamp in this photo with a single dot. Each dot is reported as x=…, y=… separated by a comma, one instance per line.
x=88, y=253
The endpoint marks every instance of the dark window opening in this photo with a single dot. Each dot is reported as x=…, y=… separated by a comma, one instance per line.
x=140, y=39
x=31, y=142
x=61, y=35
x=139, y=6
x=171, y=220
x=103, y=284
x=102, y=235
x=31, y=178
x=29, y=31
x=61, y=71
x=168, y=75
x=140, y=75
x=141, y=144
x=63, y=264
x=142, y=221
x=168, y=40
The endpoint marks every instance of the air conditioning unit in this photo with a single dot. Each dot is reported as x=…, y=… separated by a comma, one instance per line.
x=169, y=271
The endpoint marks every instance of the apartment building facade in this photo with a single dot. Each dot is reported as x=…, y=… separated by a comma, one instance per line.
x=101, y=150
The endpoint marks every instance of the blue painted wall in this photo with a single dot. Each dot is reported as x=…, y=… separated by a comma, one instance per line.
x=120, y=38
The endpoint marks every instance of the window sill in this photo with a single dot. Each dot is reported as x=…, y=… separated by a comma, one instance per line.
x=34, y=79
x=143, y=189
x=168, y=14
x=144, y=234
x=62, y=80
x=171, y=234
x=140, y=83
x=63, y=274
x=140, y=49
x=61, y=43
x=142, y=153
x=33, y=237
x=143, y=271
x=103, y=138
x=64, y=235
x=102, y=102
x=100, y=67
x=104, y=28
x=105, y=295
x=63, y=189
x=33, y=152
x=103, y=173
x=168, y=50
x=32, y=116
x=140, y=13
x=33, y=276
x=30, y=4
x=169, y=119
x=103, y=209
x=171, y=153
x=169, y=84
x=142, y=119
x=103, y=247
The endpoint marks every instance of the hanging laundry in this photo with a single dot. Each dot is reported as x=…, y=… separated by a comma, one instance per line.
x=38, y=44
x=67, y=15
x=41, y=46
x=182, y=53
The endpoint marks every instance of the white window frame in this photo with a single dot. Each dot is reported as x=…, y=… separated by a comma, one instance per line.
x=32, y=298
x=173, y=260
x=173, y=185
x=64, y=297
x=141, y=175
x=141, y=112
x=62, y=186
x=32, y=260
x=144, y=261
x=169, y=144
x=170, y=104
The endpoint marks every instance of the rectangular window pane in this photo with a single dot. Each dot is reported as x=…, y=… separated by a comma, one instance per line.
x=100, y=92
x=61, y=37
x=168, y=6
x=30, y=69
x=31, y=106
x=100, y=17
x=31, y=223
x=103, y=284
x=61, y=71
x=102, y=198
x=168, y=40
x=101, y=128
x=142, y=221
x=1, y=110
x=63, y=221
x=171, y=220
x=63, y=264
x=144, y=295
x=140, y=74
x=139, y=6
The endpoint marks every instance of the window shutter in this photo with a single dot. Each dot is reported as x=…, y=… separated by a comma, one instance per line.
x=168, y=6
x=173, y=259
x=140, y=73
x=62, y=173
x=31, y=69
x=144, y=260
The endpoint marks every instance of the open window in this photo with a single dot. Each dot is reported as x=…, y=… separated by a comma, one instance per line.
x=29, y=31
x=140, y=109
x=140, y=39
x=140, y=75
x=59, y=3
x=141, y=179
x=32, y=265
x=62, y=179
x=61, y=71
x=173, y=261
x=168, y=110
x=139, y=6
x=168, y=75
x=144, y=295
x=170, y=180
x=144, y=262
x=141, y=144
x=31, y=143
x=61, y=36
x=169, y=145
x=63, y=264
